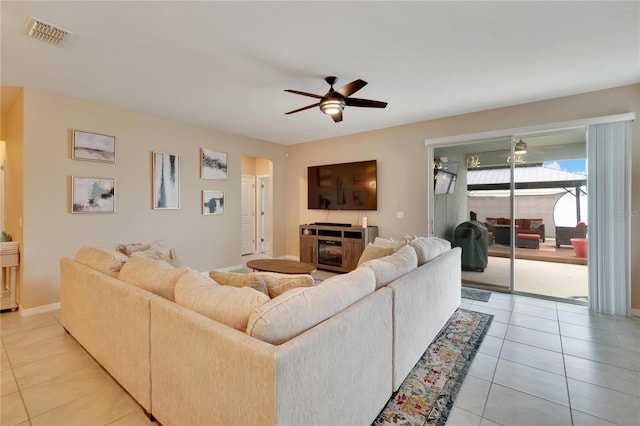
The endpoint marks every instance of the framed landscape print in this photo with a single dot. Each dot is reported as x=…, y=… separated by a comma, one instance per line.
x=213, y=164
x=93, y=195
x=166, y=181
x=93, y=147
x=212, y=202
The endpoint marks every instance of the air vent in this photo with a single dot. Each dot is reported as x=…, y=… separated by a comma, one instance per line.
x=44, y=31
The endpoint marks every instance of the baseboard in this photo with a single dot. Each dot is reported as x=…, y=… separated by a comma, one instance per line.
x=39, y=309
x=635, y=312
x=230, y=268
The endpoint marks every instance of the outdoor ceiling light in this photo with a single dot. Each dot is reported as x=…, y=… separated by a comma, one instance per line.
x=521, y=148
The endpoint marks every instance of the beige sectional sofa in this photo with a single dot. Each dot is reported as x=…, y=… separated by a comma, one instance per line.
x=329, y=354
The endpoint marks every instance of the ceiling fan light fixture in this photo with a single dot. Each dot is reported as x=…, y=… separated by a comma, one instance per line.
x=520, y=148
x=332, y=106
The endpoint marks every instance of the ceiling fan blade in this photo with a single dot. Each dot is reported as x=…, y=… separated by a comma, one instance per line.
x=337, y=117
x=297, y=92
x=368, y=103
x=351, y=88
x=302, y=109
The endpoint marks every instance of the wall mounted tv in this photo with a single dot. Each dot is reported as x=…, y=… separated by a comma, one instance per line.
x=346, y=186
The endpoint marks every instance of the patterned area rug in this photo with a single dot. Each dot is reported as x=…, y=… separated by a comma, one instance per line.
x=427, y=394
x=475, y=294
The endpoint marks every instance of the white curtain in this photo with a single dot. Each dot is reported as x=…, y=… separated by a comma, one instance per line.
x=609, y=227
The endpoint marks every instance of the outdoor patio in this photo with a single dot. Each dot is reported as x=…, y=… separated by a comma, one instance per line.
x=548, y=271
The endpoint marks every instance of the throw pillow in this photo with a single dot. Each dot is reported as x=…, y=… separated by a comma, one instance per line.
x=581, y=225
x=388, y=243
x=235, y=279
x=157, y=249
x=535, y=224
x=105, y=261
x=279, y=283
x=296, y=311
x=429, y=248
x=228, y=305
x=156, y=276
x=374, y=252
x=392, y=267
x=491, y=222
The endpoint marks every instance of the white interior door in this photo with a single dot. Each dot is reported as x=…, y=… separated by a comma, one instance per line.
x=264, y=213
x=247, y=215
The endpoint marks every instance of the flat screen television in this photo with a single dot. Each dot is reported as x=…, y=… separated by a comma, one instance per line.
x=346, y=186
x=445, y=178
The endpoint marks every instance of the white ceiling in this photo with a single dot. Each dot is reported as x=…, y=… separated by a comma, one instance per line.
x=224, y=65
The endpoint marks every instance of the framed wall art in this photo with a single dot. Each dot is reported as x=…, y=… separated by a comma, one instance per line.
x=213, y=164
x=93, y=147
x=166, y=181
x=93, y=195
x=212, y=202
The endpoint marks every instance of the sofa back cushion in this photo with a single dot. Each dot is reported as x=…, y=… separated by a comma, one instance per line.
x=236, y=279
x=299, y=309
x=428, y=248
x=105, y=261
x=231, y=306
x=393, y=266
x=279, y=283
x=156, y=276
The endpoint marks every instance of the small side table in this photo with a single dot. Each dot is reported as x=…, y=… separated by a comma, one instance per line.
x=9, y=258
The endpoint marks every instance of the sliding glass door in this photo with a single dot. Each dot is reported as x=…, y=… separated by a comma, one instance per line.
x=519, y=190
x=551, y=216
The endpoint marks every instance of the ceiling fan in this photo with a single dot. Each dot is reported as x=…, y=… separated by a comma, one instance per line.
x=334, y=101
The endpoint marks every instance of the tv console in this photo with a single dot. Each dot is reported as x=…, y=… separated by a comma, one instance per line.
x=334, y=247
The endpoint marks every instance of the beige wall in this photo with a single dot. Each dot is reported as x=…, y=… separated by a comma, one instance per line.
x=50, y=231
x=402, y=162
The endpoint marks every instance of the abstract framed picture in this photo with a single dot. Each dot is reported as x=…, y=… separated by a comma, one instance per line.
x=213, y=164
x=89, y=146
x=212, y=202
x=166, y=181
x=93, y=195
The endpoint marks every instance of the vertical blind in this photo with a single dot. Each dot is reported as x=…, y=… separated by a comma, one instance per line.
x=609, y=238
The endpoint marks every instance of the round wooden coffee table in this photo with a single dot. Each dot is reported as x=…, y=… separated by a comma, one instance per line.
x=282, y=266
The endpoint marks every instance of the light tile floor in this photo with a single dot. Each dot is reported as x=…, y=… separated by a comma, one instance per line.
x=542, y=363
x=551, y=363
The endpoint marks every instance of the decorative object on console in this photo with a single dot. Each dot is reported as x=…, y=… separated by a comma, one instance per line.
x=212, y=202
x=213, y=164
x=166, y=181
x=93, y=195
x=93, y=147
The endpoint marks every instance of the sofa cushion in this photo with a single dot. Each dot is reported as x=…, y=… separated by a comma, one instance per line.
x=428, y=248
x=231, y=306
x=372, y=251
x=236, y=279
x=299, y=309
x=156, y=276
x=279, y=283
x=105, y=261
x=393, y=266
